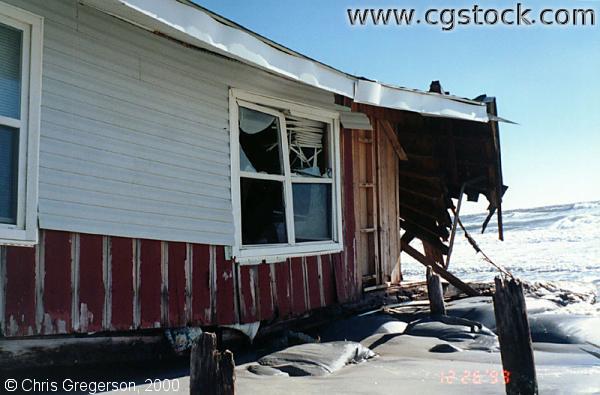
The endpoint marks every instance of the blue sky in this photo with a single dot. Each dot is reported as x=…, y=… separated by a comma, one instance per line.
x=545, y=78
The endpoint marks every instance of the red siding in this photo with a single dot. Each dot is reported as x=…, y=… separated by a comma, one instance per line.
x=351, y=286
x=313, y=282
x=20, y=291
x=150, y=283
x=91, y=283
x=201, y=289
x=225, y=289
x=122, y=268
x=264, y=292
x=248, y=308
x=340, y=277
x=328, y=280
x=297, y=275
x=283, y=292
x=57, y=282
x=177, y=259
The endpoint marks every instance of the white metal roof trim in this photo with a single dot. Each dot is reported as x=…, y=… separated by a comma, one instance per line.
x=196, y=27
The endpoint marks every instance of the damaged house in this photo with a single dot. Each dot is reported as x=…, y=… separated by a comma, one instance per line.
x=163, y=167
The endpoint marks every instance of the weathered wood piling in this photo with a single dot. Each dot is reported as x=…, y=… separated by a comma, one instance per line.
x=211, y=372
x=435, y=293
x=514, y=336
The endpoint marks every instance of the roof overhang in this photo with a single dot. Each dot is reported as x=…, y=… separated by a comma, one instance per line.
x=196, y=26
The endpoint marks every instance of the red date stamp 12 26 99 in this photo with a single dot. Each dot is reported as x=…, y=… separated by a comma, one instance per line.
x=488, y=376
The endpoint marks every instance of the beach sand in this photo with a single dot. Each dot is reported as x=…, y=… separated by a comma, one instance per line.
x=412, y=353
x=405, y=364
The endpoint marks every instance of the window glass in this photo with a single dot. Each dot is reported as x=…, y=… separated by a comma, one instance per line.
x=260, y=142
x=9, y=148
x=10, y=71
x=263, y=212
x=309, y=147
x=312, y=212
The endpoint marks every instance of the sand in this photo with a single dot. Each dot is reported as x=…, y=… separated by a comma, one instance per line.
x=418, y=355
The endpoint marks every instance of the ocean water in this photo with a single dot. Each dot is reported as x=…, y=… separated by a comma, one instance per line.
x=554, y=243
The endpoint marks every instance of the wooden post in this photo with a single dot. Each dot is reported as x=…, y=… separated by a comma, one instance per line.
x=435, y=293
x=211, y=372
x=514, y=336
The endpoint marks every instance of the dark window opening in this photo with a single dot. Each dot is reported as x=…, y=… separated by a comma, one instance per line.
x=263, y=212
x=9, y=155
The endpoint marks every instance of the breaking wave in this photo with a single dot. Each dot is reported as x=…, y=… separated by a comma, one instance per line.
x=554, y=243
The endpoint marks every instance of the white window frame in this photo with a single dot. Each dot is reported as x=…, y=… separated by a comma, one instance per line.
x=278, y=252
x=25, y=231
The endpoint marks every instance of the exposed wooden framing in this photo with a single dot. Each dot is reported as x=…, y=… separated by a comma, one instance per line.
x=419, y=211
x=499, y=190
x=435, y=199
x=389, y=206
x=458, y=283
x=419, y=230
x=407, y=237
x=434, y=254
x=390, y=133
x=366, y=208
x=425, y=177
x=433, y=241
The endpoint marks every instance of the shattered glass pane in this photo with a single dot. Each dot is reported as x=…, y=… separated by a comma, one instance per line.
x=309, y=147
x=312, y=212
x=263, y=212
x=260, y=145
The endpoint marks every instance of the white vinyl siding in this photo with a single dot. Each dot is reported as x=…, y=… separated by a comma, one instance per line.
x=135, y=128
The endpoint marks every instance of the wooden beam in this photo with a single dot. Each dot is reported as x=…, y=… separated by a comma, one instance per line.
x=458, y=283
x=390, y=133
x=435, y=293
x=514, y=337
x=211, y=372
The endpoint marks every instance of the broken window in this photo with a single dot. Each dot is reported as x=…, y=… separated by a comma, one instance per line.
x=287, y=178
x=308, y=146
x=260, y=141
